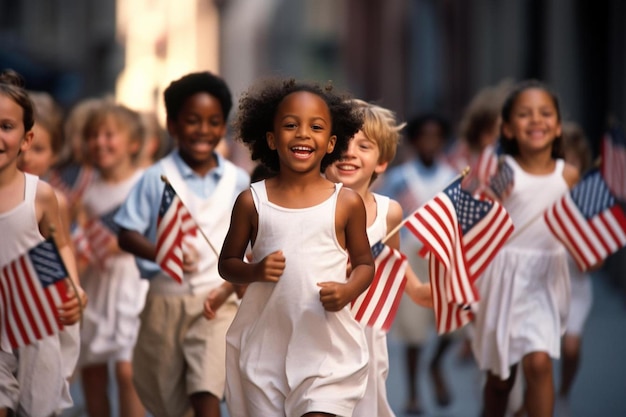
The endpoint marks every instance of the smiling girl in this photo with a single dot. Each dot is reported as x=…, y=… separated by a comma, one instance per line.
x=113, y=139
x=294, y=348
x=525, y=290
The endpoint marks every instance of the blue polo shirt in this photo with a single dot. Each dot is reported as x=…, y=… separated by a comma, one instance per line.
x=140, y=210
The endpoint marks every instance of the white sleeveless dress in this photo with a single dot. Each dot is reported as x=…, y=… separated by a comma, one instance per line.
x=375, y=397
x=116, y=291
x=525, y=291
x=286, y=355
x=43, y=388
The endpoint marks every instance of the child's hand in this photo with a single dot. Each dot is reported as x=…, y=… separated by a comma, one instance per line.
x=71, y=310
x=334, y=295
x=271, y=267
x=214, y=301
x=190, y=258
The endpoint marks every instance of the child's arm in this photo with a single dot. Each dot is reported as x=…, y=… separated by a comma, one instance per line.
x=243, y=227
x=418, y=291
x=351, y=218
x=47, y=208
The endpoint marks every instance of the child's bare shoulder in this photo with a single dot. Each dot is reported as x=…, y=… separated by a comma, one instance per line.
x=571, y=174
x=394, y=214
x=45, y=194
x=348, y=198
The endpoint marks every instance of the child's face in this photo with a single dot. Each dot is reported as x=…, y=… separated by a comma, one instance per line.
x=533, y=122
x=40, y=157
x=109, y=146
x=358, y=164
x=198, y=129
x=429, y=142
x=302, y=132
x=13, y=139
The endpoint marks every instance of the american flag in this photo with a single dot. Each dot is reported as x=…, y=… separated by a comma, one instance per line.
x=32, y=287
x=173, y=223
x=614, y=162
x=588, y=221
x=72, y=181
x=101, y=233
x=463, y=234
x=487, y=163
x=501, y=183
x=377, y=307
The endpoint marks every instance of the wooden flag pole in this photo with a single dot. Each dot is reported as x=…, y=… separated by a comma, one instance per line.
x=395, y=230
x=165, y=180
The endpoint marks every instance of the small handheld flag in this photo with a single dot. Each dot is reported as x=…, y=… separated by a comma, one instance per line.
x=378, y=305
x=588, y=221
x=32, y=288
x=173, y=222
x=463, y=234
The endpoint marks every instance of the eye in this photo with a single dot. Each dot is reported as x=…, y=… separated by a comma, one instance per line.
x=7, y=126
x=290, y=125
x=317, y=127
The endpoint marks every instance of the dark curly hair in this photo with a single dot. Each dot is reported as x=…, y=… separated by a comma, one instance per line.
x=180, y=90
x=511, y=147
x=12, y=85
x=258, y=106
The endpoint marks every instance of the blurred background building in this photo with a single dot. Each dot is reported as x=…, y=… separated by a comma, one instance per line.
x=409, y=55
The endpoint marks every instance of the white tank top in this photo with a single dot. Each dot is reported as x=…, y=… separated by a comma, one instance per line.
x=378, y=229
x=19, y=226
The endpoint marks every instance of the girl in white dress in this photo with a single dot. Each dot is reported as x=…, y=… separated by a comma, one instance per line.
x=525, y=290
x=294, y=348
x=112, y=281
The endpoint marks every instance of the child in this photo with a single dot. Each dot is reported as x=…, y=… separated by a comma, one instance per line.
x=72, y=172
x=179, y=357
x=412, y=184
x=38, y=160
x=294, y=348
x=32, y=380
x=368, y=154
x=525, y=290
x=113, y=138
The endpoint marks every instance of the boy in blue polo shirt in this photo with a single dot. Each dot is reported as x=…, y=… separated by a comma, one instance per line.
x=179, y=358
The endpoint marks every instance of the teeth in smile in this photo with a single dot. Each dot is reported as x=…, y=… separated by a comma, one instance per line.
x=347, y=167
x=301, y=149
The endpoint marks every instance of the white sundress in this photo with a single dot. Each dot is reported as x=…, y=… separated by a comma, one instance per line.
x=525, y=291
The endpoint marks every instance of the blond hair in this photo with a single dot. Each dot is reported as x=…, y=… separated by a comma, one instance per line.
x=381, y=127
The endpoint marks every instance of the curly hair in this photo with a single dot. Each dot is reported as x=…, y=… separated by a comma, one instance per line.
x=180, y=90
x=258, y=106
x=511, y=147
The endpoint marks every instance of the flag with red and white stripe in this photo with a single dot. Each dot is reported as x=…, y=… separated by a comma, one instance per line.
x=32, y=288
x=463, y=234
x=173, y=223
x=378, y=305
x=588, y=221
x=614, y=162
x=101, y=234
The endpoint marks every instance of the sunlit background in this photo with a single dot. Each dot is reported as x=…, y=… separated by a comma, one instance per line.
x=409, y=55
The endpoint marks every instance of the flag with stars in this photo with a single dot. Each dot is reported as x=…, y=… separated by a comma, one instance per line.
x=32, y=287
x=377, y=307
x=614, y=162
x=173, y=223
x=588, y=221
x=461, y=235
